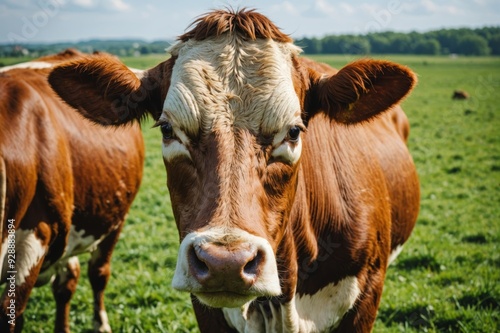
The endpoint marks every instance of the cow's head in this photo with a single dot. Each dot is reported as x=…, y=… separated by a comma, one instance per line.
x=232, y=104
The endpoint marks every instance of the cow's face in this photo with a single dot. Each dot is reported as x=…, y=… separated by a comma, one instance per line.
x=230, y=104
x=231, y=126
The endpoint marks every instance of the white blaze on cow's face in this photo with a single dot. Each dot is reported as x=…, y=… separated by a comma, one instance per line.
x=231, y=126
x=219, y=84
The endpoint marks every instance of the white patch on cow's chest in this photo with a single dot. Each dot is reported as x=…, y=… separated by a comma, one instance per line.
x=222, y=83
x=325, y=309
x=317, y=313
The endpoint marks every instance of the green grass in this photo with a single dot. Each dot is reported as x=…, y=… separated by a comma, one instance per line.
x=145, y=61
x=446, y=279
x=7, y=61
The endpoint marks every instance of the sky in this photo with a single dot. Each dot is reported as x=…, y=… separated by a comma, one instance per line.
x=34, y=21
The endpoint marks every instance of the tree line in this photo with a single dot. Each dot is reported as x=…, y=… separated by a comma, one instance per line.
x=121, y=48
x=464, y=41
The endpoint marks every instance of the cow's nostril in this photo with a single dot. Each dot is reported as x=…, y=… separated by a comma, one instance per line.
x=252, y=267
x=195, y=263
x=216, y=267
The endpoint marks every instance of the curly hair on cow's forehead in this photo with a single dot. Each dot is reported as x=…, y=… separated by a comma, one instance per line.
x=246, y=22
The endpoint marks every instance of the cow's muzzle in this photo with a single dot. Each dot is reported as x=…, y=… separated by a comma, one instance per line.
x=226, y=268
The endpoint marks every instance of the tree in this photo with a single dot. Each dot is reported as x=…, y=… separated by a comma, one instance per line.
x=145, y=49
x=448, y=39
x=310, y=45
x=473, y=45
x=354, y=45
x=331, y=44
x=400, y=43
x=494, y=44
x=379, y=43
x=430, y=46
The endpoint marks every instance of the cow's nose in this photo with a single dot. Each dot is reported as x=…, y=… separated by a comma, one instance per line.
x=222, y=267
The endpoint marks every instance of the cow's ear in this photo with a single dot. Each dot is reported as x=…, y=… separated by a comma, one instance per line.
x=105, y=91
x=361, y=90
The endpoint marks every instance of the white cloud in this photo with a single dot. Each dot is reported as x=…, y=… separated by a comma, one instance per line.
x=347, y=8
x=430, y=7
x=119, y=5
x=320, y=8
x=368, y=8
x=84, y=3
x=148, y=11
x=285, y=7
x=99, y=5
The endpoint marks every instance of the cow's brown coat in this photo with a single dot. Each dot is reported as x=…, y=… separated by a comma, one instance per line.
x=61, y=172
x=338, y=213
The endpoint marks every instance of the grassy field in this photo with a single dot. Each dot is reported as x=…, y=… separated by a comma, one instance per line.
x=446, y=280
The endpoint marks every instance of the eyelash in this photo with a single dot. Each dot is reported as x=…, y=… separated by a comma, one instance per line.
x=166, y=129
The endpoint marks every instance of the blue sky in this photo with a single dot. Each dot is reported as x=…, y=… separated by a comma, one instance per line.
x=74, y=20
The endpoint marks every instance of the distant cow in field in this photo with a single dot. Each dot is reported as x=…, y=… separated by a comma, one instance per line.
x=66, y=185
x=460, y=94
x=291, y=184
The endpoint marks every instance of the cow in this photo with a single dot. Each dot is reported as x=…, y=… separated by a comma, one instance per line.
x=66, y=185
x=460, y=94
x=291, y=183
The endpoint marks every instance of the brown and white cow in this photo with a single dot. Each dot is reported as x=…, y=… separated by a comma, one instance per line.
x=290, y=182
x=66, y=185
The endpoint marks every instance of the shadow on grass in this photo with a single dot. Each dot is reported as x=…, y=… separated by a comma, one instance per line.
x=481, y=300
x=422, y=318
x=479, y=238
x=417, y=316
x=445, y=281
x=423, y=261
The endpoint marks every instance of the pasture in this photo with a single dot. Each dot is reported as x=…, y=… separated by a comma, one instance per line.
x=447, y=279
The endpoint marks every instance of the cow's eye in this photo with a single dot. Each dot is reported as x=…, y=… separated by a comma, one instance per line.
x=294, y=134
x=167, y=131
